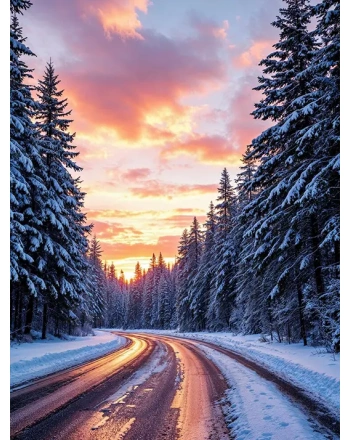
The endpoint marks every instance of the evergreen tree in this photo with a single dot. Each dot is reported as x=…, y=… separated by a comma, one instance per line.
x=182, y=284
x=26, y=181
x=202, y=285
x=164, y=302
x=275, y=218
x=63, y=225
x=149, y=288
x=319, y=187
x=98, y=284
x=222, y=296
x=134, y=309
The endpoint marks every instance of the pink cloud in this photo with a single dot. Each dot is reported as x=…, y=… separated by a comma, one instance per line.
x=116, y=251
x=132, y=87
x=117, y=16
x=109, y=230
x=156, y=188
x=243, y=128
x=135, y=174
x=210, y=27
x=206, y=148
x=252, y=57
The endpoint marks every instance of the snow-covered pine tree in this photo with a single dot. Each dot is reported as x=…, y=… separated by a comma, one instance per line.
x=251, y=306
x=243, y=181
x=319, y=187
x=279, y=224
x=221, y=301
x=148, y=291
x=202, y=284
x=26, y=183
x=160, y=267
x=182, y=283
x=61, y=255
x=190, y=251
x=122, y=302
x=164, y=317
x=135, y=297
x=95, y=296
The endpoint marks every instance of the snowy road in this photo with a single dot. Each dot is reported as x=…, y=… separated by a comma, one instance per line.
x=160, y=387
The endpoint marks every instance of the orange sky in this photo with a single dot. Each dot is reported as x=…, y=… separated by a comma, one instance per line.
x=161, y=94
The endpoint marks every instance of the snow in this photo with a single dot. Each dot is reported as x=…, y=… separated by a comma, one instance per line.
x=37, y=359
x=257, y=410
x=310, y=368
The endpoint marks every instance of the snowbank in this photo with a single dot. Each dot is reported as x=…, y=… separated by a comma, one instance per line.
x=256, y=409
x=37, y=359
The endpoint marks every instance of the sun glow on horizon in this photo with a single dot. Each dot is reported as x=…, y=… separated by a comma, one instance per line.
x=126, y=264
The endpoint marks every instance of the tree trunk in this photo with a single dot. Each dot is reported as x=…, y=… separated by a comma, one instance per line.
x=317, y=254
x=19, y=313
x=16, y=311
x=29, y=315
x=301, y=315
x=11, y=310
x=45, y=320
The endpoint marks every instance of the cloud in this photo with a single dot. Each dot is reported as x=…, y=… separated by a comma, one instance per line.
x=156, y=188
x=209, y=27
x=116, y=213
x=184, y=221
x=135, y=174
x=118, y=251
x=130, y=91
x=117, y=16
x=112, y=231
x=243, y=128
x=138, y=93
x=252, y=57
x=214, y=149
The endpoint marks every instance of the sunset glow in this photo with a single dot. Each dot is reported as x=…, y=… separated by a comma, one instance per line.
x=161, y=94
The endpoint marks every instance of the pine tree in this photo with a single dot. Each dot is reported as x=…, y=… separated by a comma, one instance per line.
x=202, y=284
x=319, y=190
x=63, y=225
x=134, y=308
x=26, y=181
x=148, y=291
x=275, y=227
x=182, y=283
x=164, y=303
x=96, y=302
x=222, y=295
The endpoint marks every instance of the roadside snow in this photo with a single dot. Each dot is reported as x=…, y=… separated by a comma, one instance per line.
x=310, y=368
x=37, y=359
x=258, y=411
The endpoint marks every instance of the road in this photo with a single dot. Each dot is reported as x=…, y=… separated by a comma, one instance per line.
x=156, y=387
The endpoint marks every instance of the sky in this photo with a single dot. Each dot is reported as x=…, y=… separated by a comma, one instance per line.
x=161, y=96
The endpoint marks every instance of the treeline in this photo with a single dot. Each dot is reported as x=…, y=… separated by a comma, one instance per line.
x=148, y=301
x=50, y=266
x=268, y=259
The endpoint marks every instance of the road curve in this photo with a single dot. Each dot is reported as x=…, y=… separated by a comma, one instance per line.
x=44, y=397
x=157, y=388
x=317, y=410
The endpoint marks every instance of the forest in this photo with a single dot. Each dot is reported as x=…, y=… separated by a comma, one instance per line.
x=267, y=258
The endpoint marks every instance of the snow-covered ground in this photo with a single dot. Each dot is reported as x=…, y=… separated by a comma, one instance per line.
x=312, y=369
x=33, y=360
x=256, y=408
